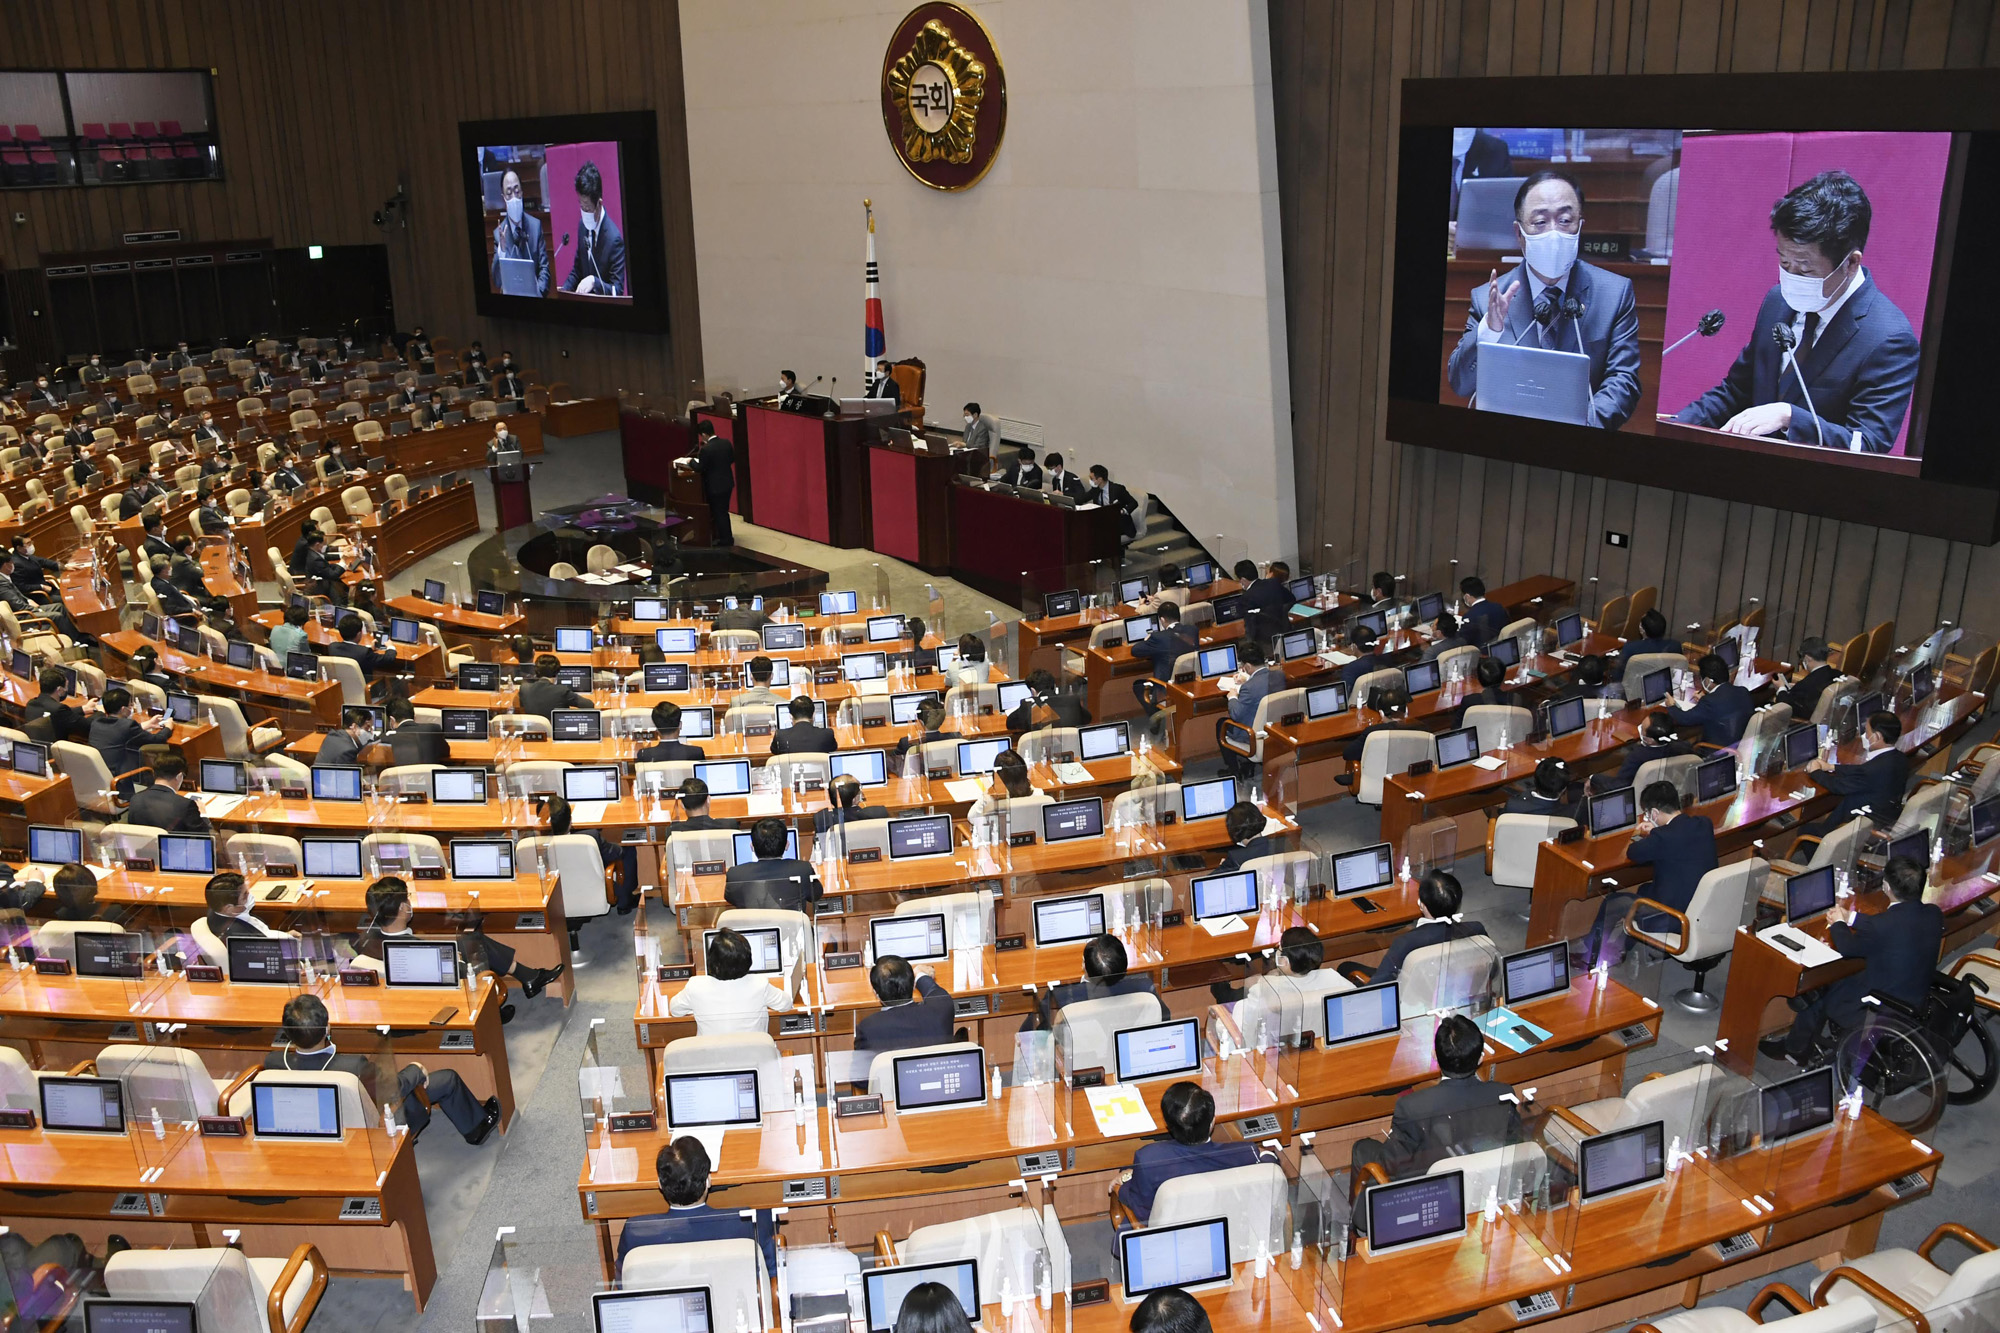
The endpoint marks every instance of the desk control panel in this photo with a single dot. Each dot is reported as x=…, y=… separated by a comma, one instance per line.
x=455, y=1041
x=1538, y=1306
x=812, y=1189
x=1907, y=1185
x=355, y=1208
x=1048, y=1163
x=1258, y=1127
x=1730, y=1247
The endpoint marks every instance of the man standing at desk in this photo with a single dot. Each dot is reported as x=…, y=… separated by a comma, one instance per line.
x=982, y=437
x=715, y=460
x=519, y=236
x=1846, y=349
x=1555, y=301
x=599, y=266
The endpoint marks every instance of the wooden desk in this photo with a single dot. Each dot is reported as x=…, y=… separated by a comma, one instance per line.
x=1200, y=705
x=25, y=800
x=579, y=416
x=910, y=501
x=1006, y=546
x=457, y=619
x=299, y=706
x=406, y=534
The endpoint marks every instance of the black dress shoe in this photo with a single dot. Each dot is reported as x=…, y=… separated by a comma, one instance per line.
x=625, y=909
x=1774, y=1046
x=506, y=1014
x=537, y=980
x=486, y=1123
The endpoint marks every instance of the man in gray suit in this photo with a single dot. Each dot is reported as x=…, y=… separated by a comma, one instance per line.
x=519, y=235
x=982, y=436
x=1556, y=301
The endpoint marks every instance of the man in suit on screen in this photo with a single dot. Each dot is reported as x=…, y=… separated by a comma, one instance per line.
x=1556, y=301
x=1826, y=322
x=519, y=235
x=599, y=266
x=1475, y=155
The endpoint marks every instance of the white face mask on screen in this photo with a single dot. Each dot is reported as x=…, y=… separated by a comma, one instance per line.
x=514, y=210
x=1461, y=141
x=1807, y=294
x=1550, y=254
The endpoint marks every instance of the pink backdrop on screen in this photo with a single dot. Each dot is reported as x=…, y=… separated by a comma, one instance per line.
x=1724, y=256
x=563, y=161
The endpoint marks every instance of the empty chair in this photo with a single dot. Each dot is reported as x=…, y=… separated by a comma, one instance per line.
x=396, y=486
x=230, y=1292
x=262, y=850
x=1004, y=1244
x=1839, y=1317
x=394, y=853
x=1910, y=1292
x=1677, y=769
x=131, y=842
x=357, y=1110
x=346, y=673
x=1511, y=1171
x=731, y=1270
x=94, y=782
x=562, y=569
x=356, y=502
x=169, y=1079
x=1514, y=844
x=19, y=1089
x=53, y=939
x=1703, y=935
x=1085, y=1028
x=600, y=558
x=1494, y=721
x=586, y=881
x=1387, y=752
x=787, y=767
x=1644, y=665
x=1139, y=804
x=1455, y=975
x=408, y=777
x=1042, y=747
x=536, y=775
x=722, y=1053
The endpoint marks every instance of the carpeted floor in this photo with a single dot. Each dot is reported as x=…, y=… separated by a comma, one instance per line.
x=527, y=1182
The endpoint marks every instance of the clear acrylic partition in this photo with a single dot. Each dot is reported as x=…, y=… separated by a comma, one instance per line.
x=1456, y=977
x=1002, y=639
x=1014, y=1267
x=818, y=1282
x=612, y=1079
x=875, y=587
x=385, y=1082
x=1887, y=1065
x=1225, y=551
x=512, y=1296
x=166, y=1089
x=1278, y=787
x=1431, y=845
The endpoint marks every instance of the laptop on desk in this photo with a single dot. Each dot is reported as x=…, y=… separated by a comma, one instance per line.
x=1534, y=382
x=518, y=277
x=1486, y=213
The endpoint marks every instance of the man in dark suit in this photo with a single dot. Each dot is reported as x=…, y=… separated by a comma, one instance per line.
x=1723, y=710
x=92, y=373
x=208, y=433
x=173, y=599
x=260, y=381
x=598, y=268
x=308, y=1048
x=390, y=914
x=370, y=660
x=82, y=471
x=1652, y=639
x=1462, y=1114
x=931, y=717
x=1679, y=847
x=1104, y=974
x=543, y=693
x=145, y=487
x=1899, y=949
x=1257, y=679
x=33, y=574
x=415, y=742
x=79, y=435
x=847, y=807
x=320, y=573
x=1023, y=471
x=1441, y=898
x=1056, y=708
x=117, y=736
x=715, y=459
x=1244, y=823
x=158, y=803
x=802, y=737
x=1547, y=793
x=1853, y=347
x=1267, y=601
x=229, y=909
x=1873, y=787
x=181, y=359
x=1110, y=494
x=1449, y=636
x=1554, y=300
x=1475, y=154
x=287, y=475
x=43, y=397
x=65, y=719
x=1362, y=641
x=694, y=810
x=509, y=384
x=342, y=748
x=1166, y=645
x=773, y=881
x=669, y=747
x=1189, y=1112
x=915, y=1011
x=1062, y=481
x=683, y=1170
x=1658, y=739
x=518, y=236
x=885, y=385
x=1815, y=673
x=1482, y=619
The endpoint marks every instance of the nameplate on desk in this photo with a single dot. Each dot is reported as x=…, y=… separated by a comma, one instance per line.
x=359, y=976
x=864, y=856
x=292, y=791
x=972, y=1006
x=840, y=962
x=1291, y=719
x=17, y=1119
x=1065, y=756
x=52, y=967
x=14, y=855
x=1315, y=893
x=1420, y=768
x=797, y=1025
x=633, y=1120
x=827, y=677
x=1174, y=918
x=937, y=774
x=1571, y=834
x=1009, y=943
x=281, y=870
x=138, y=865
x=1089, y=1293
x=986, y=710
x=1087, y=1078
x=206, y=972
x=843, y=1107
x=810, y=783
x=867, y=722
x=760, y=729
x=1184, y=678
x=223, y=1127
x=1170, y=817
x=412, y=798
x=708, y=867
x=427, y=872
x=1026, y=839
x=675, y=971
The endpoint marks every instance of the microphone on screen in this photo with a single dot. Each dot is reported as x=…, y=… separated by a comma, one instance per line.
x=1707, y=327
x=1788, y=342
x=1574, y=309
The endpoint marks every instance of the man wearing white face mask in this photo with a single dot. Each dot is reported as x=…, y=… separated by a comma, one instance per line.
x=1554, y=300
x=599, y=266
x=519, y=235
x=1853, y=348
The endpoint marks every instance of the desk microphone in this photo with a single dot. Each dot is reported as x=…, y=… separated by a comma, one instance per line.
x=1574, y=309
x=559, y=249
x=1788, y=341
x=1707, y=327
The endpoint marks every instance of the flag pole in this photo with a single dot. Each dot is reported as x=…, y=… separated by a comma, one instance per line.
x=873, y=340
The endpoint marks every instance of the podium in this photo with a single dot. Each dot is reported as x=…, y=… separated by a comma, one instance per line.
x=910, y=501
x=512, y=502
x=686, y=498
x=810, y=473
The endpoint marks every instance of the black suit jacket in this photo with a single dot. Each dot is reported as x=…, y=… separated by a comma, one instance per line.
x=1680, y=854
x=1860, y=369
x=1017, y=474
x=1458, y=1115
x=805, y=738
x=511, y=386
x=1267, y=609
x=1804, y=695
x=338, y=750
x=1876, y=784
x=1900, y=944
x=1070, y=484
x=1637, y=755
x=775, y=885
x=669, y=752
x=417, y=742
x=118, y=739
x=1488, y=156
x=1070, y=712
x=162, y=807
x=886, y=387
x=1722, y=714
x=370, y=660
x=64, y=719
x=826, y=819
x=927, y=1021
x=716, y=461
x=1114, y=496
x=1261, y=845
x=1419, y=936
x=599, y=254
x=542, y=696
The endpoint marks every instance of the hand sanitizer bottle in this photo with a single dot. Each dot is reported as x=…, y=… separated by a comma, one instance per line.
x=997, y=1085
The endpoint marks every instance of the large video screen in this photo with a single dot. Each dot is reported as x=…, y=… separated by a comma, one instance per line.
x=1756, y=300
x=563, y=219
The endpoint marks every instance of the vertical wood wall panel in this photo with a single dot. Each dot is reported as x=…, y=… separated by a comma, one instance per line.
x=1337, y=74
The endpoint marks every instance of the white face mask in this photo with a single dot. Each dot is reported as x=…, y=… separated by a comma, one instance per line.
x=1461, y=141
x=589, y=220
x=968, y=421
x=1805, y=293
x=514, y=209
x=1551, y=254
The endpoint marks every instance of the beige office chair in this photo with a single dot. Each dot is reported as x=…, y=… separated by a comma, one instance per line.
x=731, y=1270
x=1004, y=1244
x=356, y=502
x=94, y=783
x=230, y=1292
x=726, y=1052
x=1514, y=844
x=1387, y=752
x=601, y=557
x=1085, y=1028
x=1910, y=1292
x=1494, y=721
x=562, y=569
x=1842, y=1316
x=587, y=883
x=1702, y=936
x=1645, y=664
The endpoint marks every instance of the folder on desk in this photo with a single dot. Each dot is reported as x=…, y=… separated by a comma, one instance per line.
x=1798, y=946
x=1506, y=1028
x=1072, y=774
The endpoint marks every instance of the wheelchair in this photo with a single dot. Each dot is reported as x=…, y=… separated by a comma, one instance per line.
x=1910, y=1062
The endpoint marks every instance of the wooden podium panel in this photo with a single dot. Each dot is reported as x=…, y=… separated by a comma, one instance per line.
x=909, y=503
x=1001, y=543
x=810, y=472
